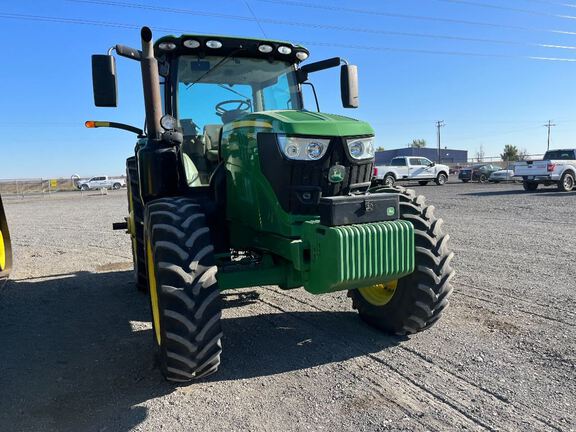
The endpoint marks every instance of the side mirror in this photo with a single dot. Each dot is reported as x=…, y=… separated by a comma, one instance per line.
x=349, y=86
x=104, y=80
x=431, y=164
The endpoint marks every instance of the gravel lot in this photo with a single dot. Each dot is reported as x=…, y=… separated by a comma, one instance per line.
x=78, y=352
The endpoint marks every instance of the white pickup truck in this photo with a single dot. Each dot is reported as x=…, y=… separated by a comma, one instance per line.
x=102, y=182
x=557, y=168
x=410, y=168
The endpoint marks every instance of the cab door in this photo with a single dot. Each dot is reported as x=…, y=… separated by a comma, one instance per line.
x=417, y=170
x=429, y=170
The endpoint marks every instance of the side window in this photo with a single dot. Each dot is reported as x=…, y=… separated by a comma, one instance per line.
x=398, y=162
x=415, y=161
x=278, y=96
x=425, y=162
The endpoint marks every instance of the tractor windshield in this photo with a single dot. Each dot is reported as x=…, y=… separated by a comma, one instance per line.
x=216, y=90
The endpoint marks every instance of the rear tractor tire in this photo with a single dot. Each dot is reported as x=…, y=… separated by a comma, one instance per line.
x=136, y=213
x=5, y=248
x=416, y=301
x=184, y=293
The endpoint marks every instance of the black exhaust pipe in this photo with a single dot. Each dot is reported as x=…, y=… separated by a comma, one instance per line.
x=151, y=85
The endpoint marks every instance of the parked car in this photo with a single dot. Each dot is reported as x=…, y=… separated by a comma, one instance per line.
x=504, y=175
x=102, y=182
x=478, y=172
x=557, y=168
x=420, y=169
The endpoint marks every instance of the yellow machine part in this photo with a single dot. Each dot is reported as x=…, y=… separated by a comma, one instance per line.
x=5, y=246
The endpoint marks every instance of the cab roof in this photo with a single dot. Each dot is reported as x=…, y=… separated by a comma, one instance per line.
x=190, y=44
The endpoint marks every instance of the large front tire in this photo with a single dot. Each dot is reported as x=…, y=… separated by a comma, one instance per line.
x=184, y=293
x=136, y=217
x=416, y=301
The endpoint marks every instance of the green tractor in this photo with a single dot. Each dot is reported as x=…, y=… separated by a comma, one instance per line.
x=234, y=184
x=5, y=247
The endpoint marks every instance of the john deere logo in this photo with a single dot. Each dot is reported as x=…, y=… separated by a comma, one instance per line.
x=336, y=174
x=390, y=211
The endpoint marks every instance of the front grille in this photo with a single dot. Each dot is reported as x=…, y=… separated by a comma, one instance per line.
x=299, y=185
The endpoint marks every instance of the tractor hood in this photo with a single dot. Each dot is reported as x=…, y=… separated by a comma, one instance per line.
x=293, y=122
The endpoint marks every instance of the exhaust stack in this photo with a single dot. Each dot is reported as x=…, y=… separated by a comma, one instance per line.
x=151, y=85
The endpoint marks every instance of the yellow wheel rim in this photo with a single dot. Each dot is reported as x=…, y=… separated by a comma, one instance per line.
x=153, y=291
x=2, y=252
x=379, y=294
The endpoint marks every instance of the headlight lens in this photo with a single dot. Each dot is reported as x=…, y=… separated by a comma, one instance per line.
x=303, y=148
x=361, y=148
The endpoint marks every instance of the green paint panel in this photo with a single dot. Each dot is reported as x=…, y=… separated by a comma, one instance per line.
x=355, y=256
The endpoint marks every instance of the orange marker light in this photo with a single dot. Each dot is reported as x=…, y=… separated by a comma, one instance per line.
x=90, y=124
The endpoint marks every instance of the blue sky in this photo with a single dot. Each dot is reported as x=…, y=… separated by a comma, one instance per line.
x=489, y=93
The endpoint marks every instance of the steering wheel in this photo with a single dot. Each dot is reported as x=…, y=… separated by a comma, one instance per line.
x=241, y=107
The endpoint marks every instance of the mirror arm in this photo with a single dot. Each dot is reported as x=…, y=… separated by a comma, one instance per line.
x=302, y=73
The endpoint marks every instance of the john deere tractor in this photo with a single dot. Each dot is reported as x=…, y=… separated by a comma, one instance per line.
x=235, y=184
x=5, y=247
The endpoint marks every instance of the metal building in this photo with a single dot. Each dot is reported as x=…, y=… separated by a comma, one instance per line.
x=447, y=156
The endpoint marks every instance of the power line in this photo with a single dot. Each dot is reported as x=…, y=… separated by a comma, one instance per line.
x=355, y=29
x=255, y=18
x=448, y=53
x=507, y=8
x=552, y=3
x=78, y=21
x=412, y=17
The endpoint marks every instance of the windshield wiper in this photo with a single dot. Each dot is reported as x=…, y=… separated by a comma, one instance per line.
x=233, y=91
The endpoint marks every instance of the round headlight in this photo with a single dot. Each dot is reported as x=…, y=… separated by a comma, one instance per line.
x=191, y=43
x=265, y=49
x=214, y=44
x=292, y=150
x=167, y=46
x=284, y=50
x=356, y=149
x=168, y=122
x=301, y=55
x=314, y=150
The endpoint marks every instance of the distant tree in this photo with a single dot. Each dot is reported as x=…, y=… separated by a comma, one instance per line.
x=418, y=143
x=523, y=154
x=511, y=153
x=379, y=148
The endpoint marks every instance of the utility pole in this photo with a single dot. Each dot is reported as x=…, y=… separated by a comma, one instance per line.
x=439, y=124
x=549, y=125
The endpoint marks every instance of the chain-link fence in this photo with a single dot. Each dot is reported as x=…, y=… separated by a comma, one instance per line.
x=40, y=186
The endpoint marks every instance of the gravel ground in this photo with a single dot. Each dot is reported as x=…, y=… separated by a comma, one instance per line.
x=78, y=351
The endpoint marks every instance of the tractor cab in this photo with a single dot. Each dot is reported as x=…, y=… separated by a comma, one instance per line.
x=211, y=82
